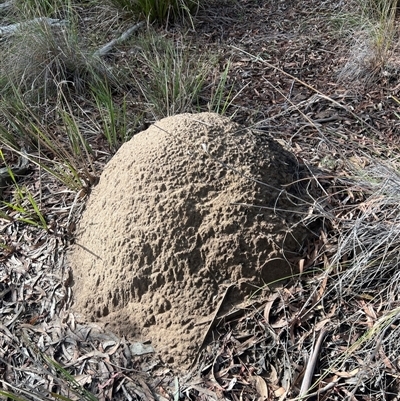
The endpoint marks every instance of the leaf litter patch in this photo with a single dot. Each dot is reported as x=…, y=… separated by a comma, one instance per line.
x=363, y=311
x=262, y=348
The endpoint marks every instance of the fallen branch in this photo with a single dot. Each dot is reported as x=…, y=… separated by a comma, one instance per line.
x=11, y=29
x=107, y=48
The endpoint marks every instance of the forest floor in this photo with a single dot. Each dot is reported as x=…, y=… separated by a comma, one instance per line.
x=307, y=75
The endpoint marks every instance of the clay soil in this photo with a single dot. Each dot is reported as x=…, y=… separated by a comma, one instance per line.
x=171, y=227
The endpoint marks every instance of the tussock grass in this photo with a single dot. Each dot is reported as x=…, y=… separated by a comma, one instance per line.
x=362, y=283
x=113, y=115
x=222, y=96
x=59, y=146
x=173, y=78
x=46, y=56
x=43, y=8
x=169, y=78
x=42, y=60
x=161, y=11
x=374, y=32
x=369, y=238
x=45, y=71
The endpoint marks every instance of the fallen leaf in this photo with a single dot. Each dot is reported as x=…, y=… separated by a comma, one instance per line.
x=268, y=305
x=261, y=387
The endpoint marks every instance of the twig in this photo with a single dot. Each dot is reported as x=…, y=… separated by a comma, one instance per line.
x=305, y=386
x=107, y=48
x=320, y=391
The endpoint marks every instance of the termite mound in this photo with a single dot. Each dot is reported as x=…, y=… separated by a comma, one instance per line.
x=185, y=208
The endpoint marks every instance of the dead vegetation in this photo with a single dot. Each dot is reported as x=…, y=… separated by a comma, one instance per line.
x=331, y=333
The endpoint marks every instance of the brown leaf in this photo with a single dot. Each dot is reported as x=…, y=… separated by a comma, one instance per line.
x=261, y=387
x=268, y=305
x=273, y=377
x=279, y=392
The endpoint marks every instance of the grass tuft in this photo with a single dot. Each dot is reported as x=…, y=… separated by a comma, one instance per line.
x=374, y=31
x=161, y=11
x=169, y=78
x=42, y=59
x=40, y=8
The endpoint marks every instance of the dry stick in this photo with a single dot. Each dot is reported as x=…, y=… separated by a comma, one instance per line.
x=336, y=103
x=321, y=390
x=107, y=48
x=11, y=29
x=305, y=386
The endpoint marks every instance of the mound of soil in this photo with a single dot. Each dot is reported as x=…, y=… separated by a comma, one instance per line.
x=188, y=207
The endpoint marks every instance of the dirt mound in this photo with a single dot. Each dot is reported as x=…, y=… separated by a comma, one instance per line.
x=179, y=214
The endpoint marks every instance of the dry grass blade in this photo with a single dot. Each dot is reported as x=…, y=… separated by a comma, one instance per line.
x=374, y=43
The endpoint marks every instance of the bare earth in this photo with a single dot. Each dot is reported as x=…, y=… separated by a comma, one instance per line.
x=166, y=231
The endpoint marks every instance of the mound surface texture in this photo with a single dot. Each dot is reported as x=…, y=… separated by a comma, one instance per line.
x=179, y=214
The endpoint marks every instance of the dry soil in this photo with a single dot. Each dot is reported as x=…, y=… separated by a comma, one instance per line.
x=187, y=208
